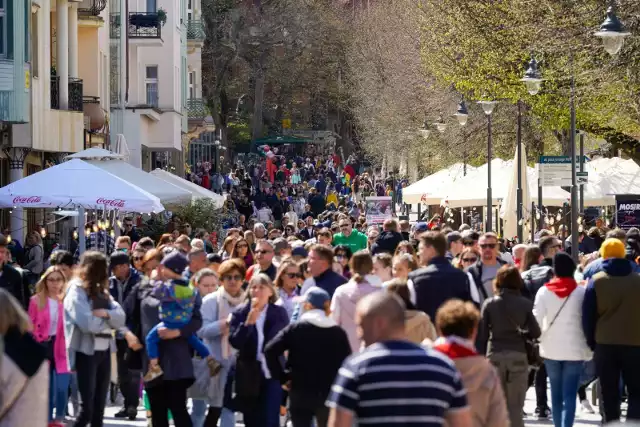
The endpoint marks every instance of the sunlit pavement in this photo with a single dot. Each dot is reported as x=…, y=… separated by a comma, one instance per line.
x=582, y=419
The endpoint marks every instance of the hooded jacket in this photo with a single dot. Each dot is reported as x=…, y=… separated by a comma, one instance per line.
x=387, y=242
x=611, y=305
x=418, y=326
x=343, y=305
x=317, y=347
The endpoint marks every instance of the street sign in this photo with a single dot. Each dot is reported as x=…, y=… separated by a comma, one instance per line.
x=582, y=178
x=555, y=171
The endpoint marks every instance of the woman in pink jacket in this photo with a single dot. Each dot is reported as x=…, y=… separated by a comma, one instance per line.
x=47, y=314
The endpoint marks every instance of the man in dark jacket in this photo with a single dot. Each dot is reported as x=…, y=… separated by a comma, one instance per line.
x=123, y=279
x=10, y=278
x=388, y=240
x=317, y=202
x=610, y=317
x=437, y=281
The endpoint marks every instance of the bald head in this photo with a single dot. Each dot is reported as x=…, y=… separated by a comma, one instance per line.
x=380, y=317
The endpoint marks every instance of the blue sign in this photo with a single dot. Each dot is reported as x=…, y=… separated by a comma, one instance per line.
x=560, y=159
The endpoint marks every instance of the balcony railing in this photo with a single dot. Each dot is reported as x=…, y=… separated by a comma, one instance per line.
x=114, y=25
x=195, y=30
x=152, y=94
x=196, y=109
x=92, y=7
x=144, y=25
x=75, y=94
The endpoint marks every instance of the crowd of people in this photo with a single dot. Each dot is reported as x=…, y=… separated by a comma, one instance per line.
x=307, y=312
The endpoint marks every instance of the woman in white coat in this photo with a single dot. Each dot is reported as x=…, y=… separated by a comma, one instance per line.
x=558, y=310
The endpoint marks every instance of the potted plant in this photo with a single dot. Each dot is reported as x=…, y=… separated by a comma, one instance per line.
x=162, y=16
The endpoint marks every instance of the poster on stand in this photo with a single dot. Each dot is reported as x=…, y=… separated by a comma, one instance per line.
x=628, y=211
x=378, y=209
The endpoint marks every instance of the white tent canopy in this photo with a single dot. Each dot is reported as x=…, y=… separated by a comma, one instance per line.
x=94, y=154
x=608, y=177
x=78, y=184
x=197, y=191
x=472, y=189
x=168, y=193
x=429, y=190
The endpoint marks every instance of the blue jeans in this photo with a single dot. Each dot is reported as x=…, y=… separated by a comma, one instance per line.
x=153, y=339
x=198, y=412
x=58, y=391
x=564, y=377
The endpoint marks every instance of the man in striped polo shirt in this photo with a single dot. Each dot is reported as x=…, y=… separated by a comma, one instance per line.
x=393, y=381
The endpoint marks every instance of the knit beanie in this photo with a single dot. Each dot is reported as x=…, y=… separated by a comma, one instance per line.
x=612, y=248
x=563, y=265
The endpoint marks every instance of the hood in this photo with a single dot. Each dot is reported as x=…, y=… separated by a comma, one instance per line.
x=318, y=318
x=477, y=372
x=179, y=282
x=617, y=267
x=390, y=235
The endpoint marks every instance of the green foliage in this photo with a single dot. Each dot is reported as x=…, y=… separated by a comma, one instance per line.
x=239, y=132
x=200, y=214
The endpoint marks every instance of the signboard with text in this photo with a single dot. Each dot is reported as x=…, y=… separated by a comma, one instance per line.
x=555, y=171
x=628, y=211
x=378, y=209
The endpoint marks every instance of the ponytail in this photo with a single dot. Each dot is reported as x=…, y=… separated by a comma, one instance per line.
x=358, y=278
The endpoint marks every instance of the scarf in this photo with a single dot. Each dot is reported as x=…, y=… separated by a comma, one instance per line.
x=226, y=305
x=562, y=286
x=455, y=347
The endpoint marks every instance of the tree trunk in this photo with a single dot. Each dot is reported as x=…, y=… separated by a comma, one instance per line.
x=258, y=99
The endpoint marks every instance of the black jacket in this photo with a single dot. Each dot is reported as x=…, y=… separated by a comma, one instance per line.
x=387, y=242
x=476, y=273
x=436, y=283
x=305, y=234
x=12, y=281
x=536, y=277
x=317, y=347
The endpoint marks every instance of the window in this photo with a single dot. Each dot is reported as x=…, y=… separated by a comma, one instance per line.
x=151, y=85
x=189, y=10
x=3, y=29
x=192, y=84
x=152, y=6
x=35, y=66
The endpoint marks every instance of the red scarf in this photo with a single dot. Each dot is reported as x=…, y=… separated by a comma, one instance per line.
x=562, y=286
x=453, y=348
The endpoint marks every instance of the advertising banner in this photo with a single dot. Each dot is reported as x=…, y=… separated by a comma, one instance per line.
x=378, y=209
x=628, y=211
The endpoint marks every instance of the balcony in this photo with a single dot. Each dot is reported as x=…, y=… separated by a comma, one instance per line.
x=144, y=25
x=75, y=94
x=152, y=95
x=196, y=109
x=195, y=33
x=91, y=7
x=114, y=25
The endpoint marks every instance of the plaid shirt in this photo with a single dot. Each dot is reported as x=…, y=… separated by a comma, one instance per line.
x=97, y=242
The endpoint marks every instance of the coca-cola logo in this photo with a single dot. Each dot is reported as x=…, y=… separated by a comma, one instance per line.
x=23, y=200
x=114, y=203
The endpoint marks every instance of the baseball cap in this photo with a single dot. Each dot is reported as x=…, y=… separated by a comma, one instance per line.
x=299, y=251
x=317, y=297
x=421, y=226
x=175, y=262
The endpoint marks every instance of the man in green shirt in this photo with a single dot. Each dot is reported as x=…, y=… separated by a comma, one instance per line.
x=354, y=239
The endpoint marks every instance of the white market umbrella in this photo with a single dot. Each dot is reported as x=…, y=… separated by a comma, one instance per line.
x=168, y=193
x=608, y=177
x=197, y=191
x=75, y=184
x=432, y=189
x=94, y=154
x=509, y=208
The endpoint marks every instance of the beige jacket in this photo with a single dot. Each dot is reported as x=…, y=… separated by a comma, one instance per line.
x=418, y=326
x=484, y=392
x=23, y=400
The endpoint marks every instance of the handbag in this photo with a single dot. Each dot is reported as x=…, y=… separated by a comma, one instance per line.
x=248, y=378
x=532, y=345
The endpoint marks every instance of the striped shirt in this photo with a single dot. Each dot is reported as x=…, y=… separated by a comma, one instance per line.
x=398, y=383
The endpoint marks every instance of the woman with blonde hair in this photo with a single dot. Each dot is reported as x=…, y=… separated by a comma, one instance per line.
x=24, y=373
x=91, y=315
x=46, y=312
x=418, y=324
x=346, y=297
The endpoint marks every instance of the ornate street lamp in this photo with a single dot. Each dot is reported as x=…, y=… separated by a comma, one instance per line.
x=487, y=106
x=532, y=77
x=425, y=131
x=612, y=32
x=440, y=124
x=461, y=113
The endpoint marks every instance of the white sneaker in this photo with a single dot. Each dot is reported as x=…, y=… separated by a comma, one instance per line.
x=586, y=407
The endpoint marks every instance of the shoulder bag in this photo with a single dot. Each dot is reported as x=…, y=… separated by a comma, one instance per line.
x=532, y=345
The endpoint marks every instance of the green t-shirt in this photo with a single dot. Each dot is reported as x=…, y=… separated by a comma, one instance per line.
x=356, y=240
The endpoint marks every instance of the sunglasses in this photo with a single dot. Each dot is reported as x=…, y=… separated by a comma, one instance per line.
x=242, y=246
x=235, y=277
x=294, y=275
x=489, y=245
x=138, y=258
x=259, y=251
x=469, y=259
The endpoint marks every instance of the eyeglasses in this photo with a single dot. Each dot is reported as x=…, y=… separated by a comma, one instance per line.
x=138, y=258
x=242, y=246
x=230, y=278
x=469, y=259
x=128, y=224
x=293, y=275
x=260, y=251
x=488, y=245
x=344, y=226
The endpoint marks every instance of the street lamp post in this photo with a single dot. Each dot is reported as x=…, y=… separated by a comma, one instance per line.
x=519, y=190
x=487, y=107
